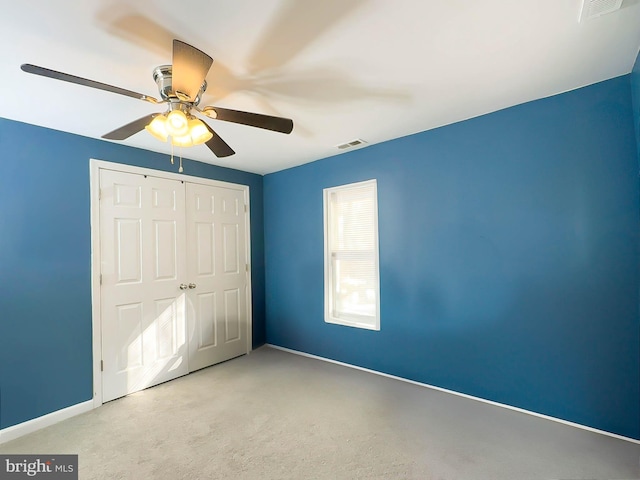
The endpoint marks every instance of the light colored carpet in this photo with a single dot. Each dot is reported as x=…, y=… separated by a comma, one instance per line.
x=274, y=415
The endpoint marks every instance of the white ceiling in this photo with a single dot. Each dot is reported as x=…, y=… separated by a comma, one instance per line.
x=341, y=69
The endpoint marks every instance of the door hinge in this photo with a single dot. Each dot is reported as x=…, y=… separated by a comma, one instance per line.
x=100, y=279
x=102, y=365
x=245, y=208
x=99, y=194
x=246, y=267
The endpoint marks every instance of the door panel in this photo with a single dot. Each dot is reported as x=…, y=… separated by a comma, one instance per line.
x=206, y=308
x=205, y=247
x=142, y=263
x=129, y=336
x=128, y=250
x=232, y=315
x=230, y=248
x=165, y=246
x=217, y=314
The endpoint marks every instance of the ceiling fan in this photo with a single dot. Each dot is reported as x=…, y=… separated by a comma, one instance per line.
x=181, y=86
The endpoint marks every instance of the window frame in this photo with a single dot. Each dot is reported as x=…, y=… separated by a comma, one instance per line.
x=346, y=319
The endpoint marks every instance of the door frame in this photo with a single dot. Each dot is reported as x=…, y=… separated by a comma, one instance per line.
x=95, y=166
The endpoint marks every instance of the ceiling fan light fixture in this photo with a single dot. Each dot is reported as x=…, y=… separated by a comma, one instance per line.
x=199, y=132
x=210, y=112
x=196, y=132
x=177, y=123
x=158, y=128
x=182, y=141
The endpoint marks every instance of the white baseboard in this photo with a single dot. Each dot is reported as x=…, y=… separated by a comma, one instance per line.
x=452, y=392
x=15, y=431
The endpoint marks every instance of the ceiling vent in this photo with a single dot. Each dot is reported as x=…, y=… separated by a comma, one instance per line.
x=595, y=8
x=353, y=143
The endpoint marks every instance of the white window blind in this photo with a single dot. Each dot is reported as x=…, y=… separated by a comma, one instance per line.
x=351, y=255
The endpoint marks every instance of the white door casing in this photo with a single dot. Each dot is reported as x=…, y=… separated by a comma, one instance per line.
x=217, y=267
x=167, y=319
x=143, y=249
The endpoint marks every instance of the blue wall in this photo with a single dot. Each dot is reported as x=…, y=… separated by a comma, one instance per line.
x=45, y=270
x=508, y=256
x=635, y=93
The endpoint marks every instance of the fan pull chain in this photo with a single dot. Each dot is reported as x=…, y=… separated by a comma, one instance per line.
x=171, y=153
x=180, y=170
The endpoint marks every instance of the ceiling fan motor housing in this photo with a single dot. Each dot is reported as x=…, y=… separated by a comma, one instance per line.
x=162, y=77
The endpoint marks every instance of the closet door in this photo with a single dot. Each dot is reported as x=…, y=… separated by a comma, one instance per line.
x=142, y=224
x=217, y=272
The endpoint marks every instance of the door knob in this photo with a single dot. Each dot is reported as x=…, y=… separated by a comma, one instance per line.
x=192, y=286
x=183, y=286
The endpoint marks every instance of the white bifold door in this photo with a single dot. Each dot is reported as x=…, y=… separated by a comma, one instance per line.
x=217, y=266
x=173, y=291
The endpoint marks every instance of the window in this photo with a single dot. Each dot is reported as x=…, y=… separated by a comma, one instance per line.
x=351, y=277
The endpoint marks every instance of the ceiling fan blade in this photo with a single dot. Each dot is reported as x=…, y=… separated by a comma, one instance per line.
x=189, y=69
x=120, y=18
x=217, y=145
x=303, y=21
x=129, y=129
x=65, y=77
x=277, y=124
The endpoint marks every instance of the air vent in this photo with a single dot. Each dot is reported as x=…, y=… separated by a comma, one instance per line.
x=595, y=8
x=353, y=143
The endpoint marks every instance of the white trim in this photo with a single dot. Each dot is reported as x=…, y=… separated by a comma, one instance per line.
x=96, y=308
x=16, y=431
x=95, y=166
x=453, y=392
x=247, y=224
x=123, y=167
